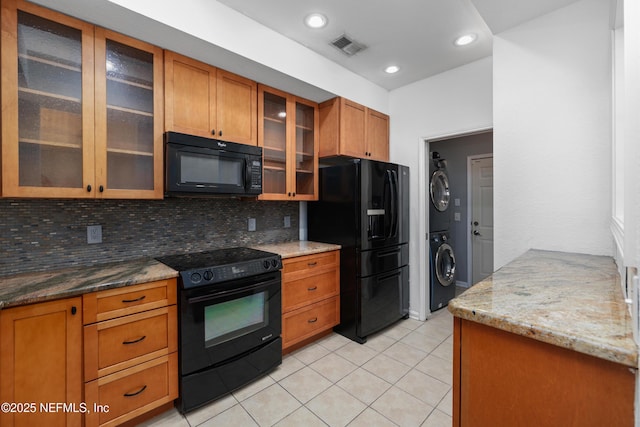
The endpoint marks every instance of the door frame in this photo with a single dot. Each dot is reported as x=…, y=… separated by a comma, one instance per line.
x=469, y=211
x=423, y=211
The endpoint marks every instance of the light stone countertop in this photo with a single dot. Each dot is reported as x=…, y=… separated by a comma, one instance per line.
x=297, y=248
x=569, y=300
x=30, y=288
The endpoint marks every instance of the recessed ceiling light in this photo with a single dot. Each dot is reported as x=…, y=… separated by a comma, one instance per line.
x=465, y=39
x=315, y=20
x=391, y=69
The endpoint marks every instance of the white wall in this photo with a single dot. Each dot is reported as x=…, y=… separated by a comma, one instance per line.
x=454, y=102
x=552, y=133
x=632, y=133
x=213, y=33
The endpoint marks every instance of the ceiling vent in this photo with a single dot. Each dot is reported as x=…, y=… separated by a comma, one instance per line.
x=347, y=46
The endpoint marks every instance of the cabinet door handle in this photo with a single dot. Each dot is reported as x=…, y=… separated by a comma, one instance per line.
x=220, y=133
x=101, y=189
x=213, y=132
x=74, y=310
x=314, y=320
x=126, y=301
x=312, y=289
x=144, y=387
x=312, y=264
x=134, y=341
x=89, y=188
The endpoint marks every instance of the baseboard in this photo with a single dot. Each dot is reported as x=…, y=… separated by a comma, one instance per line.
x=414, y=315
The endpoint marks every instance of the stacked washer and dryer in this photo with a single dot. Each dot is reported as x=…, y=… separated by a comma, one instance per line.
x=442, y=261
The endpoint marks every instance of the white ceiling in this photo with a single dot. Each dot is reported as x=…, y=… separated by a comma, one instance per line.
x=416, y=35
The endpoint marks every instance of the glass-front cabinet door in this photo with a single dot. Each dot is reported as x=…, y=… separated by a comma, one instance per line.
x=287, y=132
x=128, y=117
x=47, y=103
x=81, y=108
x=306, y=146
x=272, y=134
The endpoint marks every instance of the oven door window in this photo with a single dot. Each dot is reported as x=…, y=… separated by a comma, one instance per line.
x=232, y=319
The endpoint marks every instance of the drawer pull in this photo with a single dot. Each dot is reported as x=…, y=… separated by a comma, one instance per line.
x=134, y=341
x=312, y=289
x=312, y=264
x=144, y=387
x=314, y=320
x=126, y=301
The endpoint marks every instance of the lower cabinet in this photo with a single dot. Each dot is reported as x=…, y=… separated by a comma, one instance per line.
x=504, y=379
x=310, y=297
x=41, y=364
x=130, y=351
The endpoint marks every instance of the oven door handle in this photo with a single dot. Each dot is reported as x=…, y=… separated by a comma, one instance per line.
x=216, y=294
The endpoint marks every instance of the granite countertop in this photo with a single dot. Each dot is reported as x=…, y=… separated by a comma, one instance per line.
x=570, y=300
x=35, y=287
x=297, y=248
x=30, y=288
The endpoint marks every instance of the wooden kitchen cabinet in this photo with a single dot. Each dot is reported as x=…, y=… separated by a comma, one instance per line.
x=130, y=350
x=500, y=378
x=350, y=129
x=41, y=363
x=287, y=133
x=206, y=101
x=377, y=135
x=81, y=109
x=310, y=297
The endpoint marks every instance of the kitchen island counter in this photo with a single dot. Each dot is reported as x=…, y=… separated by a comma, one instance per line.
x=36, y=287
x=545, y=340
x=569, y=300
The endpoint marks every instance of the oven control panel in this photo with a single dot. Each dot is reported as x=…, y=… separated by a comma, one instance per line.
x=221, y=265
x=222, y=273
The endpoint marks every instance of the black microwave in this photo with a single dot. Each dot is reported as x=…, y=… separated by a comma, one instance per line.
x=201, y=166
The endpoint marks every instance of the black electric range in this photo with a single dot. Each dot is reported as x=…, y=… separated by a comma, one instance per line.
x=230, y=320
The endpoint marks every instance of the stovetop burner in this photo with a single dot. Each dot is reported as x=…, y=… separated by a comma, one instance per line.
x=220, y=265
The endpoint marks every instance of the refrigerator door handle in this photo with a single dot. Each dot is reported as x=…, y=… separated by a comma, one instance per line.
x=370, y=290
x=393, y=185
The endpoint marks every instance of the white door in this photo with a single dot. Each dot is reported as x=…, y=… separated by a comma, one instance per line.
x=481, y=218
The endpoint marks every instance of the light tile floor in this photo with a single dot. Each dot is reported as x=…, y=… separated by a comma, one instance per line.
x=400, y=377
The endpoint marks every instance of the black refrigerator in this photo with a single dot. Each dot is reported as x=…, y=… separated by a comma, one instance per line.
x=364, y=206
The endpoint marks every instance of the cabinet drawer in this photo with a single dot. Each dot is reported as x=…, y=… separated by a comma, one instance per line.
x=118, y=302
x=113, y=345
x=309, y=263
x=297, y=293
x=132, y=392
x=306, y=322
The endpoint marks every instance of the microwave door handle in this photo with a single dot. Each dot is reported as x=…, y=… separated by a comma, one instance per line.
x=247, y=174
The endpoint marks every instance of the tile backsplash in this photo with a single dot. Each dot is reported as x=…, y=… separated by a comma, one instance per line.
x=39, y=234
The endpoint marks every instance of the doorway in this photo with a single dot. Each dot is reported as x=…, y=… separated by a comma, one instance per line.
x=456, y=150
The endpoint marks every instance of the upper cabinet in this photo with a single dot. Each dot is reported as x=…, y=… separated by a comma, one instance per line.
x=287, y=133
x=377, y=135
x=206, y=101
x=350, y=129
x=81, y=109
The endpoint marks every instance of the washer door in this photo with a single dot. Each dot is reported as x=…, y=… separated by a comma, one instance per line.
x=439, y=190
x=445, y=265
